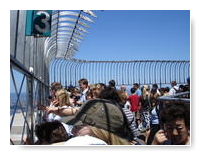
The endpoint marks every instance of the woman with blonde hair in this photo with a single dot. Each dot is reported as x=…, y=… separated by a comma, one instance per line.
x=108, y=137
x=60, y=102
x=62, y=98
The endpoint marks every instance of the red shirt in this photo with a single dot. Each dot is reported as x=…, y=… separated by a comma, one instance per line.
x=134, y=101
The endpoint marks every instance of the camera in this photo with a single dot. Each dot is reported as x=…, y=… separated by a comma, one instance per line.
x=77, y=98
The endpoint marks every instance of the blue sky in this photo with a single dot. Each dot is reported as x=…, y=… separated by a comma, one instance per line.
x=138, y=35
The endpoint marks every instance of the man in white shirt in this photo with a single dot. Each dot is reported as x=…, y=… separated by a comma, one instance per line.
x=83, y=84
x=174, y=88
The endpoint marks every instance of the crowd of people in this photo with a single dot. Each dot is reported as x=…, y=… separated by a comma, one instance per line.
x=100, y=114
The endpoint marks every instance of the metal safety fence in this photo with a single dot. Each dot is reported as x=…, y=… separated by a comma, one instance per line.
x=179, y=97
x=69, y=71
x=29, y=92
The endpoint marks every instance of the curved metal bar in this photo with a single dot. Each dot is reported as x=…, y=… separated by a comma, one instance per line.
x=165, y=72
x=117, y=73
x=170, y=70
x=155, y=73
x=161, y=74
x=106, y=67
x=54, y=70
x=179, y=71
x=96, y=69
x=62, y=75
x=79, y=70
x=89, y=71
x=123, y=74
x=144, y=73
x=65, y=74
x=73, y=74
x=150, y=74
x=105, y=72
x=111, y=71
x=184, y=71
x=175, y=67
x=52, y=66
x=124, y=77
x=188, y=70
x=85, y=70
x=56, y=61
x=133, y=70
x=129, y=73
x=139, y=80
x=70, y=70
x=102, y=72
x=58, y=69
x=99, y=71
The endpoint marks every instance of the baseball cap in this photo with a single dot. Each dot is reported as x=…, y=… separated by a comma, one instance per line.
x=102, y=114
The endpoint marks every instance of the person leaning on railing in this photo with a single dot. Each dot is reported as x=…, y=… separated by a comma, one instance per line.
x=60, y=106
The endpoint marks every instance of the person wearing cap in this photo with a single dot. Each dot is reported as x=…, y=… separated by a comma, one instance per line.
x=103, y=120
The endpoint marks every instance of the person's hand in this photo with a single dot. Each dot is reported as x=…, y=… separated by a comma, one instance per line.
x=52, y=110
x=55, y=102
x=41, y=107
x=78, y=103
x=28, y=141
x=133, y=142
x=159, y=138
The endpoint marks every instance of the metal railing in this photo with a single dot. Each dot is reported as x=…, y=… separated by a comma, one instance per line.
x=179, y=97
x=69, y=71
x=29, y=92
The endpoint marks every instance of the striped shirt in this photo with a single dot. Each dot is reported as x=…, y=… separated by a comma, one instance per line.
x=131, y=121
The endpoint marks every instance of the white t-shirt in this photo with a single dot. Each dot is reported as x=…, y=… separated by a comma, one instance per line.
x=83, y=96
x=53, y=117
x=173, y=90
